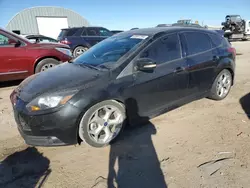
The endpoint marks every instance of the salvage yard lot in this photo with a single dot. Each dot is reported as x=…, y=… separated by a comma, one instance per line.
x=172, y=147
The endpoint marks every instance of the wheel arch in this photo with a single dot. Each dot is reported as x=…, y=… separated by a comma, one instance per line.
x=228, y=64
x=38, y=60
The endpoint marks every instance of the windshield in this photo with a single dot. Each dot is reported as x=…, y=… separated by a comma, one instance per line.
x=235, y=18
x=109, y=50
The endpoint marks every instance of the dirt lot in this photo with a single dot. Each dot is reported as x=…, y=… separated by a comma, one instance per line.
x=165, y=153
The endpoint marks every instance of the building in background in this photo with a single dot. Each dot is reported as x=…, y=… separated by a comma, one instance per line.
x=212, y=27
x=46, y=21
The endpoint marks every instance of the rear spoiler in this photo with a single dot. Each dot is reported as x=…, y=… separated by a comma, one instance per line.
x=221, y=32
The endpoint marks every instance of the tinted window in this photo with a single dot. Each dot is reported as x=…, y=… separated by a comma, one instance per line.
x=104, y=32
x=91, y=32
x=164, y=50
x=84, y=33
x=216, y=40
x=68, y=32
x=4, y=41
x=197, y=42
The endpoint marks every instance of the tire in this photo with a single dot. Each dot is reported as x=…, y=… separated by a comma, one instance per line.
x=79, y=50
x=46, y=64
x=94, y=126
x=219, y=89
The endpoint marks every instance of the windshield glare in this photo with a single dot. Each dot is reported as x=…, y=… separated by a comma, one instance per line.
x=109, y=50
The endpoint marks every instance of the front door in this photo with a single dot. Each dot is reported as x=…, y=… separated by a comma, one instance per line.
x=13, y=60
x=168, y=82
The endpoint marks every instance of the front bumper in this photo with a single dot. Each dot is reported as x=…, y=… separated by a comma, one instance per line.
x=54, y=129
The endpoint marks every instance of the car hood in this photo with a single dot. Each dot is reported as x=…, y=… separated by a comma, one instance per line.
x=65, y=76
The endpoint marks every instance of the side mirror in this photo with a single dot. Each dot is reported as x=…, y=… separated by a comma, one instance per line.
x=14, y=42
x=18, y=43
x=145, y=64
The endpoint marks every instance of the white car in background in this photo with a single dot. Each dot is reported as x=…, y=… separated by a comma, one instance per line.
x=40, y=39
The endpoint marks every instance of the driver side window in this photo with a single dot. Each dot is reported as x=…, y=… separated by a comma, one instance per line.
x=164, y=50
x=4, y=41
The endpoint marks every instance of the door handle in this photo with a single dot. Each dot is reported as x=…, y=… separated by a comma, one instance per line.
x=179, y=69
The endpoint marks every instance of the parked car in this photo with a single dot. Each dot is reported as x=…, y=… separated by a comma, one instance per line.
x=80, y=39
x=129, y=77
x=20, y=58
x=40, y=39
x=116, y=31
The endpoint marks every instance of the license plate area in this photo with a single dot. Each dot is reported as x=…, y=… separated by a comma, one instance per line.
x=236, y=36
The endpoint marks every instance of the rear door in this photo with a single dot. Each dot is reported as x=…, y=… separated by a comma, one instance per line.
x=13, y=60
x=96, y=35
x=202, y=58
x=169, y=81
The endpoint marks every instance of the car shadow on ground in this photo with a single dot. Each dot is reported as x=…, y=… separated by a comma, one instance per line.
x=245, y=104
x=27, y=168
x=136, y=157
x=10, y=83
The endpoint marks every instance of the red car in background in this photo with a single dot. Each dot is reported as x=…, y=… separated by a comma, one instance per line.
x=19, y=58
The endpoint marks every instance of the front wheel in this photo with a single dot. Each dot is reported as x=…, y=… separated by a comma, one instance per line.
x=102, y=123
x=221, y=86
x=46, y=64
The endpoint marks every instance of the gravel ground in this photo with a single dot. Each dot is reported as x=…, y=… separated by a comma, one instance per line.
x=202, y=144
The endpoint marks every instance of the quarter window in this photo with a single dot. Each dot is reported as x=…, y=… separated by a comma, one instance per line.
x=197, y=42
x=91, y=32
x=164, y=50
x=216, y=40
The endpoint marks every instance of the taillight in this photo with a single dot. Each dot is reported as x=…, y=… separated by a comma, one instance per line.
x=65, y=41
x=232, y=50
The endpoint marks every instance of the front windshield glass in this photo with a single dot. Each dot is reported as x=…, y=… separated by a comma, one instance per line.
x=236, y=19
x=109, y=50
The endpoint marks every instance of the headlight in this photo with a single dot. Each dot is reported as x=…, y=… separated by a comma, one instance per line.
x=50, y=101
x=65, y=51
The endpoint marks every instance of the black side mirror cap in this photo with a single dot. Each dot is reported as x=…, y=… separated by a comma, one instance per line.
x=145, y=64
x=18, y=43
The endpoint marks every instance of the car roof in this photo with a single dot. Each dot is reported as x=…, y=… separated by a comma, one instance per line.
x=155, y=30
x=82, y=27
x=35, y=36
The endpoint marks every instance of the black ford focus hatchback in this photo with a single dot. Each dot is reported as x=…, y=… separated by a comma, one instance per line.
x=138, y=73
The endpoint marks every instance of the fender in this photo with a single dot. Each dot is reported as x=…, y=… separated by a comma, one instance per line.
x=226, y=63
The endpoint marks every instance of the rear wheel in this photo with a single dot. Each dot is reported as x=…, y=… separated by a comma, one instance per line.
x=102, y=123
x=222, y=85
x=46, y=64
x=79, y=50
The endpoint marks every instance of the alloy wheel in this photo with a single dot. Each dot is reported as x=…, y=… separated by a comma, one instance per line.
x=104, y=124
x=47, y=66
x=224, y=84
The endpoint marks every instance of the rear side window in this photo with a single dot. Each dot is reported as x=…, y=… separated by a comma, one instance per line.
x=216, y=40
x=164, y=50
x=91, y=32
x=68, y=32
x=197, y=42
